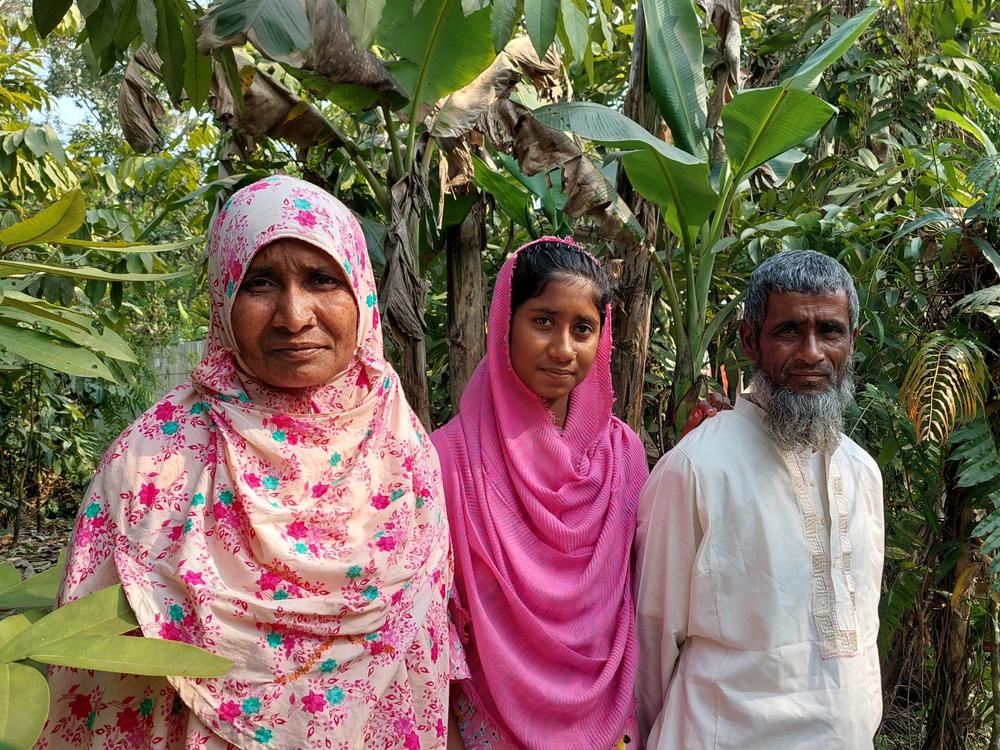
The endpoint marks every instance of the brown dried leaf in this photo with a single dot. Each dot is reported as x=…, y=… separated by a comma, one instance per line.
x=538, y=148
x=332, y=53
x=458, y=113
x=138, y=111
x=270, y=109
x=726, y=16
x=402, y=292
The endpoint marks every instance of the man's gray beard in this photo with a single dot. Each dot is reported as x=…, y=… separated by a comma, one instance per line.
x=804, y=420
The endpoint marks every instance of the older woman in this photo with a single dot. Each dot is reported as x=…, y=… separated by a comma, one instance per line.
x=283, y=509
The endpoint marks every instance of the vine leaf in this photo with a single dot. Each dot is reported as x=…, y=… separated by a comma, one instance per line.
x=944, y=386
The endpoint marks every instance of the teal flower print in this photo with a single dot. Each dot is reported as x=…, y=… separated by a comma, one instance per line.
x=301, y=548
x=243, y=398
x=279, y=436
x=371, y=299
x=226, y=497
x=176, y=612
x=420, y=503
x=302, y=203
x=199, y=407
x=251, y=706
x=230, y=288
x=188, y=524
x=262, y=735
x=328, y=666
x=169, y=428
x=93, y=510
x=396, y=495
x=354, y=571
x=198, y=500
x=372, y=636
x=347, y=267
x=274, y=640
x=145, y=707
x=280, y=594
x=334, y=696
x=90, y=719
x=370, y=593
x=270, y=483
x=335, y=459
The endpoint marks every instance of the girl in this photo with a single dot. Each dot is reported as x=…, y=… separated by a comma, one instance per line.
x=541, y=484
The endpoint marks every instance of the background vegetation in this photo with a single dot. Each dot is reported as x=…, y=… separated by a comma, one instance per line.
x=683, y=142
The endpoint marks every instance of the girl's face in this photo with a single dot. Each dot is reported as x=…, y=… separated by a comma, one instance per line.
x=554, y=339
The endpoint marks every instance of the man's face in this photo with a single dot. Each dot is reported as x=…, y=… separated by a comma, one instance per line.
x=805, y=342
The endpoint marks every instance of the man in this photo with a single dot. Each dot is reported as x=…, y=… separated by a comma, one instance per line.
x=760, y=543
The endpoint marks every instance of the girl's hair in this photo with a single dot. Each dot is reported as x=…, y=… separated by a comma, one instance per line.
x=544, y=261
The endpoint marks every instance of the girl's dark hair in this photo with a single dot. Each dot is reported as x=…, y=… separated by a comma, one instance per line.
x=544, y=261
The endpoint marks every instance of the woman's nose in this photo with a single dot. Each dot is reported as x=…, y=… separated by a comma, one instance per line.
x=295, y=311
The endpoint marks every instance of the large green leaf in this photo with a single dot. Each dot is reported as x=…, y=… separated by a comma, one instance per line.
x=362, y=19
x=808, y=76
x=511, y=197
x=759, y=124
x=60, y=219
x=104, y=612
x=540, y=18
x=942, y=114
x=24, y=705
x=443, y=49
x=170, y=47
x=9, y=576
x=673, y=179
x=132, y=655
x=129, y=247
x=38, y=591
x=77, y=329
x=48, y=13
x=51, y=352
x=17, y=267
x=280, y=27
x=11, y=626
x=674, y=52
x=503, y=16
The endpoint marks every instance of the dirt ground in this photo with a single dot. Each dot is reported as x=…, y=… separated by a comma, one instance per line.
x=36, y=551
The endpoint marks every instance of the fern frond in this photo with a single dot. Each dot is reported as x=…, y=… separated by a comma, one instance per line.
x=944, y=386
x=986, y=301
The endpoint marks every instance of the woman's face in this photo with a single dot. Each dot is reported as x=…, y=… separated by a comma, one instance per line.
x=294, y=317
x=554, y=338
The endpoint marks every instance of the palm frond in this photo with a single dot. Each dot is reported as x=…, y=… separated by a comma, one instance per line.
x=944, y=386
x=986, y=301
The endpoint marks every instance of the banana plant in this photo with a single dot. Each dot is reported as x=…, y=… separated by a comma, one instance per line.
x=33, y=330
x=694, y=189
x=88, y=633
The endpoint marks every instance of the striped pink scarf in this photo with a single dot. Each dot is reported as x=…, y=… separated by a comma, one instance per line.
x=542, y=522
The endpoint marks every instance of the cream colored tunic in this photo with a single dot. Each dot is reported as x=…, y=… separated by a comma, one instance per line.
x=757, y=624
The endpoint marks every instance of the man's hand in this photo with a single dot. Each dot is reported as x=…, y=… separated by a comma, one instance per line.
x=705, y=410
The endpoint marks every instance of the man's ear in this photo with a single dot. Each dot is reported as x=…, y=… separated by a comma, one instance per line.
x=749, y=342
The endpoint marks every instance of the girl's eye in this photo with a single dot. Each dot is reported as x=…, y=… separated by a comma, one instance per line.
x=543, y=320
x=584, y=329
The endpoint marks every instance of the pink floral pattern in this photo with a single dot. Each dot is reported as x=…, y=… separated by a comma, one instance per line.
x=301, y=534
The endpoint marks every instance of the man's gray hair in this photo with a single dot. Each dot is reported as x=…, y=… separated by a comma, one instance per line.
x=802, y=271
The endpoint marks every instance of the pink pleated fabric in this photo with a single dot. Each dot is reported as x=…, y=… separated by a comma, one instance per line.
x=299, y=533
x=542, y=522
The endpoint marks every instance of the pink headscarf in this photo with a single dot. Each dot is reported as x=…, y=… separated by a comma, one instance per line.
x=300, y=534
x=542, y=522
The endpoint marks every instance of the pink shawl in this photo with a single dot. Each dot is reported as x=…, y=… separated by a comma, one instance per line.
x=300, y=534
x=542, y=522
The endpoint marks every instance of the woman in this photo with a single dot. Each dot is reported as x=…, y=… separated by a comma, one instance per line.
x=283, y=509
x=542, y=484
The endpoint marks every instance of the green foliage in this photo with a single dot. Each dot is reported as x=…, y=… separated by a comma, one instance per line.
x=83, y=634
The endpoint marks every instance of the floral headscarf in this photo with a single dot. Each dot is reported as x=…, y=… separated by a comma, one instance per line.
x=299, y=533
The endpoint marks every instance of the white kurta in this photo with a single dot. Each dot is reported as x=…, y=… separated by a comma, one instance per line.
x=757, y=625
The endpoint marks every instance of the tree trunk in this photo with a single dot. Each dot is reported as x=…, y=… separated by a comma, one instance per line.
x=402, y=292
x=634, y=275
x=951, y=713
x=465, y=245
